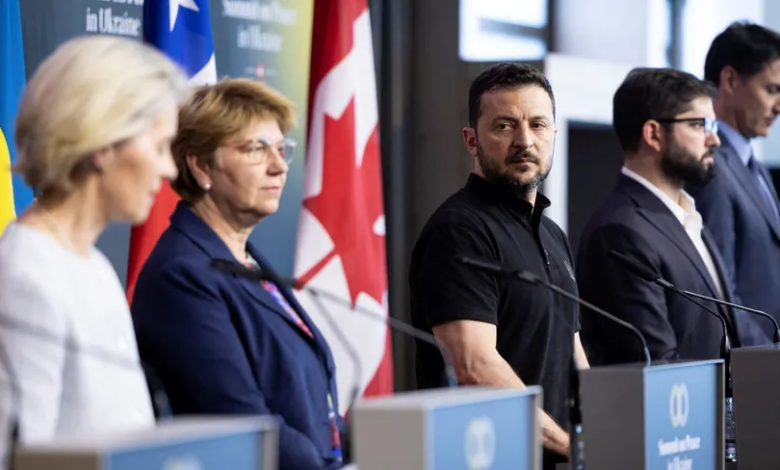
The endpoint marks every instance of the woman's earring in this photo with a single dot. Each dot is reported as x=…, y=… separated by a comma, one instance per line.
x=207, y=186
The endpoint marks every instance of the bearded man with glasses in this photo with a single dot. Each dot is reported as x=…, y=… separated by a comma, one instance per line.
x=665, y=123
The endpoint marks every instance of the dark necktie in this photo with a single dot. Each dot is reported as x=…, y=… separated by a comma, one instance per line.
x=755, y=168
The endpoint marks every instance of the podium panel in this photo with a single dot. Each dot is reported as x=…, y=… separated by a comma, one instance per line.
x=207, y=443
x=666, y=417
x=756, y=387
x=464, y=428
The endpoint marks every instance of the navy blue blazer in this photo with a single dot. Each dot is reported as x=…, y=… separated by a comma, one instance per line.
x=747, y=234
x=635, y=222
x=223, y=345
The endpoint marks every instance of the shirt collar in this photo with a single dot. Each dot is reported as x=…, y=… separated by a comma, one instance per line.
x=681, y=210
x=738, y=142
x=487, y=189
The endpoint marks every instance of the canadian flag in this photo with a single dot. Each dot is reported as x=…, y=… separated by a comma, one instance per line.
x=341, y=238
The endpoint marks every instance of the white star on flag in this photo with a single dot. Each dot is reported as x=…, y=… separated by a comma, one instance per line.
x=175, y=4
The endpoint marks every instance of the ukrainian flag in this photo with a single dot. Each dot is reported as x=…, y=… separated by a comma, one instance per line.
x=15, y=196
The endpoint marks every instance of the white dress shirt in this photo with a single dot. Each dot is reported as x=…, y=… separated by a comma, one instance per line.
x=69, y=363
x=684, y=211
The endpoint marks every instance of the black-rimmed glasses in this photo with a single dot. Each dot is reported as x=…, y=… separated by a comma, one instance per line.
x=709, y=125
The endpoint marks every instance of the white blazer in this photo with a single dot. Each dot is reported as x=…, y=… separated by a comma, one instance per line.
x=69, y=363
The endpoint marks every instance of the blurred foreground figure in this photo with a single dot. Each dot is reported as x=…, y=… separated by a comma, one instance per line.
x=93, y=134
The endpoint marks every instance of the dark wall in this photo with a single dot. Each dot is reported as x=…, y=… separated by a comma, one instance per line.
x=595, y=159
x=422, y=91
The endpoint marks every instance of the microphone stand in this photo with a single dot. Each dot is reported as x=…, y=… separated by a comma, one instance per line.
x=238, y=269
x=728, y=304
x=346, y=445
x=351, y=352
x=576, y=445
x=725, y=354
x=452, y=380
x=647, y=274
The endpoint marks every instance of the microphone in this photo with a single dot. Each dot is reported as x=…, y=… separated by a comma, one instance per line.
x=504, y=271
x=238, y=269
x=649, y=275
x=576, y=459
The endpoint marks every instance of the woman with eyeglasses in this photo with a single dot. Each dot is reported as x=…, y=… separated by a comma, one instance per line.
x=221, y=343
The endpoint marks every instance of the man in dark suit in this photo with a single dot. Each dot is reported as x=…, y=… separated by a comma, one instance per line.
x=740, y=206
x=665, y=123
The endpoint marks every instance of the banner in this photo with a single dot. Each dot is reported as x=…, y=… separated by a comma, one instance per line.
x=269, y=40
x=341, y=240
x=15, y=196
x=48, y=23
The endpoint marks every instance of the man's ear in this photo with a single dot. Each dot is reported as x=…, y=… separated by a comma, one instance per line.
x=653, y=134
x=470, y=139
x=729, y=80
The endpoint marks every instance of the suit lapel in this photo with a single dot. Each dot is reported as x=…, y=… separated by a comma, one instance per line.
x=259, y=293
x=769, y=183
x=317, y=339
x=746, y=180
x=723, y=275
x=655, y=212
x=193, y=227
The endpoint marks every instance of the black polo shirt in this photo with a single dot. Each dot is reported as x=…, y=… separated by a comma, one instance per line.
x=535, y=327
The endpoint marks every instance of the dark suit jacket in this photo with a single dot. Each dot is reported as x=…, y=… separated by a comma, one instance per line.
x=745, y=232
x=635, y=222
x=223, y=345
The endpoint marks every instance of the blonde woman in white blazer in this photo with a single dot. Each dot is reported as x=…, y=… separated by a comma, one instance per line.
x=93, y=137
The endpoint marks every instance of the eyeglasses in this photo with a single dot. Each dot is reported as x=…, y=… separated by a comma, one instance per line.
x=709, y=125
x=260, y=151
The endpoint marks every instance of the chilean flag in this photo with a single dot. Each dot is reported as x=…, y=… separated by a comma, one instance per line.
x=182, y=30
x=341, y=238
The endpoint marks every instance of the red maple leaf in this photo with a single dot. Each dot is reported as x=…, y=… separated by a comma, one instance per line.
x=349, y=205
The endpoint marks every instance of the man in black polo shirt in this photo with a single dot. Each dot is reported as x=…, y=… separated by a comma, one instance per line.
x=501, y=332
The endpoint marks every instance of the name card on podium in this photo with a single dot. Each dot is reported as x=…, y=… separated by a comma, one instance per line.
x=464, y=428
x=669, y=416
x=202, y=443
x=756, y=407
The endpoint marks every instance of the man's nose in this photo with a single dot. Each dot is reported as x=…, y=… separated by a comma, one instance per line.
x=523, y=137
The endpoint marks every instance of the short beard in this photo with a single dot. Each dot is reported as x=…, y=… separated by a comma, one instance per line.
x=680, y=165
x=504, y=179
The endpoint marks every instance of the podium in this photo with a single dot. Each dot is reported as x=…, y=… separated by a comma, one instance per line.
x=191, y=443
x=464, y=428
x=756, y=386
x=667, y=416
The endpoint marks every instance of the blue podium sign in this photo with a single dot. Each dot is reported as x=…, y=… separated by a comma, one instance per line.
x=669, y=416
x=465, y=428
x=492, y=434
x=206, y=443
x=681, y=415
x=240, y=451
